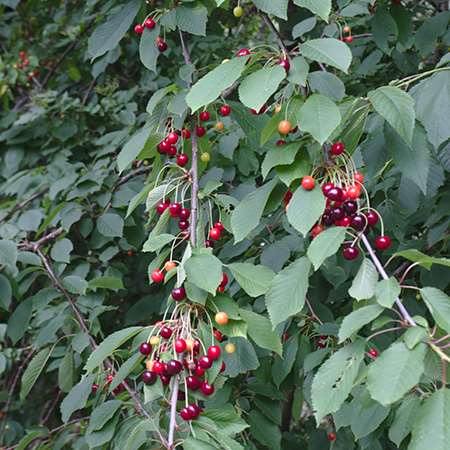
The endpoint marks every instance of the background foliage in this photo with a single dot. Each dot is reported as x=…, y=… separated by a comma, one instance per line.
x=82, y=112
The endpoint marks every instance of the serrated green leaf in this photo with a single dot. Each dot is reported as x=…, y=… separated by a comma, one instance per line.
x=278, y=8
x=102, y=414
x=279, y=156
x=387, y=291
x=110, y=225
x=328, y=51
x=357, y=319
x=404, y=420
x=438, y=302
x=321, y=8
x=365, y=281
x=192, y=19
x=205, y=271
x=33, y=370
x=326, y=244
x=254, y=280
x=75, y=284
x=148, y=50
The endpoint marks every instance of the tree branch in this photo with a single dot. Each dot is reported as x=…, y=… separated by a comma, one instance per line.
x=22, y=205
x=271, y=26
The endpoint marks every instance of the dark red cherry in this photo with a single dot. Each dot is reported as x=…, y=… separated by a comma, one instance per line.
x=350, y=253
x=344, y=222
x=285, y=64
x=350, y=207
x=337, y=213
x=383, y=242
x=163, y=146
x=165, y=332
x=214, y=233
x=174, y=209
x=209, y=243
x=192, y=382
x=205, y=362
x=174, y=367
x=183, y=224
x=185, y=414
x=199, y=371
x=204, y=116
x=372, y=218
x=280, y=142
x=326, y=188
x=185, y=133
x=206, y=388
x=149, y=378
x=172, y=150
x=178, y=294
x=200, y=131
x=161, y=207
x=184, y=214
x=359, y=222
x=337, y=148
x=335, y=194
x=218, y=335
x=165, y=379
x=214, y=352
x=162, y=46
x=193, y=411
x=182, y=159
x=223, y=367
x=327, y=220
x=225, y=110
x=145, y=348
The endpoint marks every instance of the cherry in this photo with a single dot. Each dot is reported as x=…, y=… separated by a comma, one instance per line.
x=350, y=253
x=335, y=194
x=206, y=388
x=326, y=188
x=316, y=230
x=219, y=226
x=165, y=379
x=183, y=224
x=164, y=146
x=138, y=29
x=238, y=11
x=308, y=183
x=372, y=218
x=172, y=150
x=218, y=335
x=182, y=159
x=344, y=222
x=149, y=378
x=199, y=371
x=219, y=126
x=373, y=352
x=180, y=345
x=165, y=332
x=185, y=133
x=94, y=388
x=214, y=352
x=223, y=367
x=346, y=29
x=145, y=348
x=337, y=148
x=157, y=276
x=331, y=436
x=193, y=411
x=221, y=318
x=174, y=367
x=284, y=127
x=204, y=116
x=214, y=233
x=172, y=138
x=196, y=346
x=243, y=52
x=337, y=213
x=178, y=294
x=285, y=64
x=184, y=214
x=383, y=242
x=22, y=55
x=359, y=222
x=174, y=209
x=350, y=207
x=200, y=131
x=327, y=219
x=162, y=46
x=205, y=362
x=161, y=207
x=359, y=177
x=209, y=243
x=348, y=39
x=185, y=414
x=280, y=142
x=158, y=367
x=192, y=382
x=224, y=281
x=149, y=23
x=225, y=110
x=353, y=192
x=169, y=265
x=261, y=111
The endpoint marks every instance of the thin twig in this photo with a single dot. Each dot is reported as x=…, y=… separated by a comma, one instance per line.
x=271, y=25
x=311, y=310
x=134, y=173
x=22, y=205
x=387, y=330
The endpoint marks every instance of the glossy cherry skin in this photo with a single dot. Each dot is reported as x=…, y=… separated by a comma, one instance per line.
x=243, y=52
x=149, y=23
x=285, y=64
x=308, y=183
x=327, y=219
x=185, y=133
x=174, y=209
x=359, y=222
x=372, y=218
x=335, y=193
x=209, y=243
x=206, y=388
x=157, y=276
x=326, y=188
x=383, y=242
x=172, y=138
x=145, y=348
x=182, y=159
x=193, y=411
x=353, y=192
x=337, y=213
x=158, y=367
x=214, y=233
x=172, y=150
x=149, y=378
x=164, y=146
x=337, y=148
x=280, y=142
x=185, y=414
x=165, y=332
x=199, y=371
x=180, y=345
x=218, y=335
x=165, y=379
x=184, y=214
x=183, y=224
x=214, y=352
x=178, y=294
x=205, y=362
x=331, y=436
x=204, y=116
x=161, y=207
x=192, y=382
x=138, y=29
x=350, y=207
x=162, y=46
x=200, y=131
x=350, y=253
x=373, y=352
x=174, y=367
x=344, y=222
x=225, y=110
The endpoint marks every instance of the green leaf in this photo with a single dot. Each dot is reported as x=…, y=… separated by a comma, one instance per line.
x=397, y=107
x=321, y=8
x=208, y=88
x=192, y=19
x=387, y=291
x=278, y=8
x=243, y=359
x=432, y=427
x=298, y=73
x=304, y=27
x=401, y=366
x=8, y=253
x=155, y=243
x=264, y=431
x=422, y=259
x=357, y=319
x=194, y=444
x=438, y=303
x=113, y=283
x=405, y=419
x=5, y=292
x=25, y=442
x=19, y=320
x=60, y=252
x=132, y=148
x=96, y=439
x=125, y=369
x=334, y=380
x=365, y=281
x=148, y=53
x=109, y=345
x=33, y=370
x=319, y=116
x=326, y=244
x=279, y=156
x=110, y=225
x=328, y=51
x=305, y=208
x=255, y=280
x=75, y=284
x=205, y=271
x=367, y=416
x=66, y=372
x=282, y=366
x=260, y=330
x=295, y=171
x=257, y=88
x=102, y=414
x=287, y=292
x=107, y=35
x=247, y=215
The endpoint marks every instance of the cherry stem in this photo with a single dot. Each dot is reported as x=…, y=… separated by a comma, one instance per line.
x=405, y=314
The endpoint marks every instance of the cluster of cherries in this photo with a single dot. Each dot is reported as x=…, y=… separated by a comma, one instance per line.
x=349, y=38
x=168, y=146
x=149, y=23
x=23, y=63
x=189, y=363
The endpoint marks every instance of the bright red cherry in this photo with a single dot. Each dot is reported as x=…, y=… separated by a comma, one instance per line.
x=243, y=52
x=138, y=29
x=174, y=367
x=163, y=146
x=199, y=371
x=161, y=207
x=218, y=335
x=373, y=352
x=219, y=226
x=331, y=436
x=348, y=39
x=174, y=209
x=383, y=242
x=184, y=214
x=200, y=131
x=359, y=177
x=338, y=148
x=157, y=276
x=205, y=362
x=225, y=110
x=172, y=138
x=192, y=382
x=172, y=150
x=204, y=116
x=308, y=183
x=280, y=142
x=162, y=46
x=185, y=133
x=185, y=414
x=180, y=345
x=353, y=192
x=194, y=411
x=372, y=218
x=344, y=222
x=158, y=367
x=285, y=64
x=165, y=332
x=149, y=23
x=178, y=294
x=326, y=188
x=214, y=352
x=350, y=253
x=149, y=378
x=182, y=159
x=145, y=348
x=214, y=233
x=206, y=388
x=94, y=388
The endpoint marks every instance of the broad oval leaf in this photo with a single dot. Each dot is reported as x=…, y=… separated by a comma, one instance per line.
x=77, y=397
x=148, y=50
x=205, y=271
x=33, y=370
x=365, y=281
x=357, y=319
x=326, y=244
x=328, y=51
x=321, y=8
x=387, y=291
x=277, y=8
x=438, y=302
x=255, y=280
